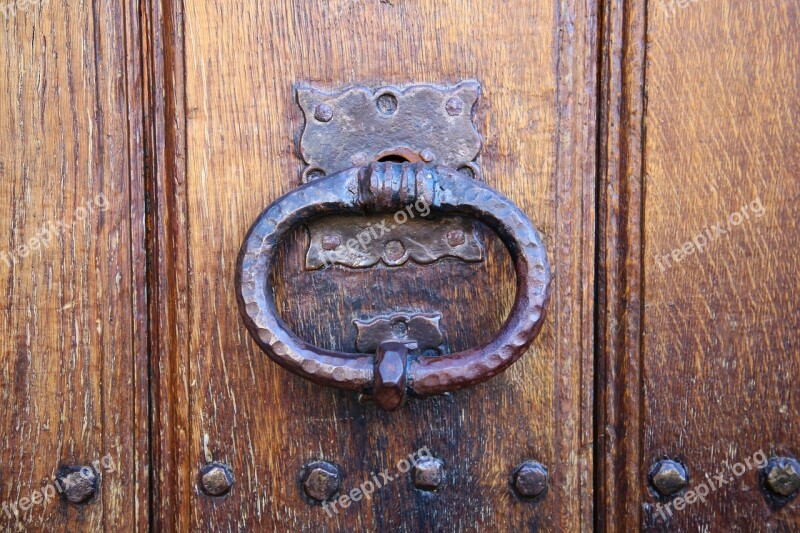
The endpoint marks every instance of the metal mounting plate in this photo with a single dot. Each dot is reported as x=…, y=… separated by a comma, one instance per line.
x=417, y=123
x=358, y=125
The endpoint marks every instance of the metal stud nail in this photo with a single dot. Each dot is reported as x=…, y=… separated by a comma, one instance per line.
x=320, y=481
x=428, y=473
x=454, y=106
x=216, y=479
x=331, y=242
x=323, y=113
x=78, y=484
x=782, y=476
x=529, y=480
x=668, y=477
x=456, y=237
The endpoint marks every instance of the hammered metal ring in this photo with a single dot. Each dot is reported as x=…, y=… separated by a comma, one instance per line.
x=392, y=374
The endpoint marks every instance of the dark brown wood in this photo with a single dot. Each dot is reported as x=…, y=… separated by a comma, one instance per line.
x=618, y=425
x=537, y=120
x=173, y=483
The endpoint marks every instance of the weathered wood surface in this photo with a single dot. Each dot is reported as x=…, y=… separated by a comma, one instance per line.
x=221, y=399
x=698, y=352
x=73, y=359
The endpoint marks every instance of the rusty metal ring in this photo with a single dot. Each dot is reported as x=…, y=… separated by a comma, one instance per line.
x=391, y=374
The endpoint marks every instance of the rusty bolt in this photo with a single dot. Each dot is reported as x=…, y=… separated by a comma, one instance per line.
x=427, y=155
x=78, y=484
x=331, y=242
x=216, y=479
x=456, y=237
x=428, y=473
x=782, y=476
x=454, y=106
x=668, y=477
x=320, y=481
x=529, y=479
x=323, y=113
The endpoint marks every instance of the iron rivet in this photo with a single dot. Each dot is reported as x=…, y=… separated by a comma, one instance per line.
x=428, y=473
x=216, y=479
x=529, y=480
x=399, y=329
x=668, y=477
x=394, y=250
x=454, y=106
x=320, y=481
x=782, y=476
x=323, y=113
x=456, y=237
x=78, y=483
x=331, y=242
x=387, y=103
x=427, y=155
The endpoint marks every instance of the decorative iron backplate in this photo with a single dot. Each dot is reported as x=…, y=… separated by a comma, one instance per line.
x=418, y=123
x=367, y=240
x=419, y=330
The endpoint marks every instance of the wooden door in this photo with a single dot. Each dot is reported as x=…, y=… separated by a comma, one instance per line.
x=229, y=403
x=140, y=140
x=698, y=292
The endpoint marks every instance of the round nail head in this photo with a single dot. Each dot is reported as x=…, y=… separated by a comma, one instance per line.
x=78, y=483
x=323, y=113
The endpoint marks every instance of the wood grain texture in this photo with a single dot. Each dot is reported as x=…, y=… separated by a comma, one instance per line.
x=220, y=399
x=697, y=356
x=73, y=359
x=721, y=353
x=619, y=271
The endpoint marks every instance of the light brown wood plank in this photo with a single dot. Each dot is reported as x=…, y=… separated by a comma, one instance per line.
x=73, y=344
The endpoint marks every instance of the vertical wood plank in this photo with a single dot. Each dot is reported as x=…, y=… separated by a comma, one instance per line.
x=220, y=399
x=73, y=343
x=721, y=350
